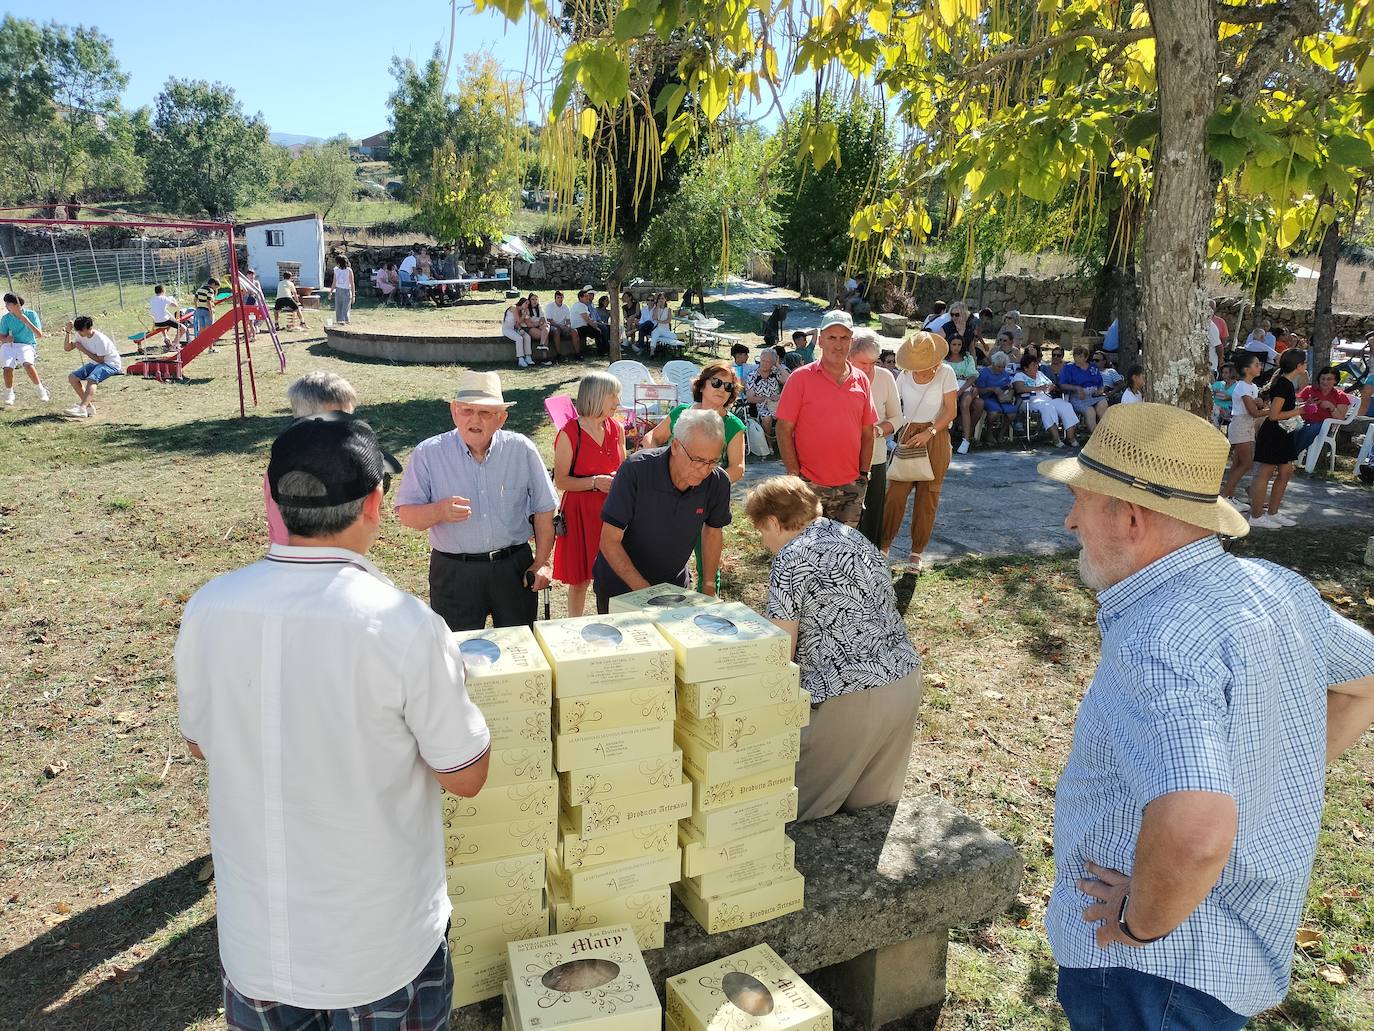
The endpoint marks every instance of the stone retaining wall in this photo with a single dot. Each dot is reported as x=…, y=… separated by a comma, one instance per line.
x=463, y=346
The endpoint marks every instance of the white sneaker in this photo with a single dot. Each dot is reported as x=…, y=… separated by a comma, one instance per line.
x=43, y=393
x=77, y=412
x=1263, y=522
x=9, y=397
x=963, y=447
x=1283, y=520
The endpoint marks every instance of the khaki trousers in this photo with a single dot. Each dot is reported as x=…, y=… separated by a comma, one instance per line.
x=856, y=749
x=927, y=499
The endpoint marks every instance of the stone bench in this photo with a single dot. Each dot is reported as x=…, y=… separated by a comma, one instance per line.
x=883, y=888
x=893, y=325
x=462, y=344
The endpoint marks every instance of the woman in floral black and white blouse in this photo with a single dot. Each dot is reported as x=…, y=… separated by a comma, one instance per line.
x=831, y=590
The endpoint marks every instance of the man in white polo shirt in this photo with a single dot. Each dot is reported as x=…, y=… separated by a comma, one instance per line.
x=330, y=708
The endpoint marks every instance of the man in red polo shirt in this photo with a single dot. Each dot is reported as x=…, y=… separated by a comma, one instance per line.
x=825, y=422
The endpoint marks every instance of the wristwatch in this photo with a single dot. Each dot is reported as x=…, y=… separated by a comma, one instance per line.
x=1126, y=928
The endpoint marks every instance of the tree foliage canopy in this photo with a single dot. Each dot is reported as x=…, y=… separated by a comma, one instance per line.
x=459, y=152
x=721, y=214
x=61, y=125
x=817, y=205
x=323, y=175
x=1019, y=100
x=204, y=154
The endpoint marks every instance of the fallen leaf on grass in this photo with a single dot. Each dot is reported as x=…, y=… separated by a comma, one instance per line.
x=1325, y=900
x=121, y=974
x=205, y=872
x=1308, y=938
x=1331, y=974
x=1023, y=923
x=62, y=908
x=54, y=769
x=993, y=696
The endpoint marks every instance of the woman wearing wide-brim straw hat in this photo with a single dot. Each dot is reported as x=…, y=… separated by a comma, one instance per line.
x=929, y=393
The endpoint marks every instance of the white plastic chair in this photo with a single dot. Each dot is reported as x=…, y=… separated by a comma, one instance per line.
x=680, y=373
x=1366, y=448
x=629, y=372
x=1327, y=436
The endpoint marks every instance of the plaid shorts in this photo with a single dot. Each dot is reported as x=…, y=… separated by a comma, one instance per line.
x=422, y=1005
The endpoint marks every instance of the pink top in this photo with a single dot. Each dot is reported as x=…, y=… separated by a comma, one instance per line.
x=829, y=420
x=276, y=529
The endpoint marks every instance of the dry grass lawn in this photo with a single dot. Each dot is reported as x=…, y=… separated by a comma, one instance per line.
x=107, y=528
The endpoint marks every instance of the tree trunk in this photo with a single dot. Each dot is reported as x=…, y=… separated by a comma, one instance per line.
x=1182, y=202
x=1326, y=287
x=617, y=275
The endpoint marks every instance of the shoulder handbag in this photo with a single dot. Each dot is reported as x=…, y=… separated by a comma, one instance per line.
x=560, y=522
x=910, y=463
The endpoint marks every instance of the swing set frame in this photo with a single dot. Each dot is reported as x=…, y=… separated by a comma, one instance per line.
x=243, y=352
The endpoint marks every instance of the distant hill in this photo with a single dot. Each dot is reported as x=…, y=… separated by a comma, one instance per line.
x=293, y=139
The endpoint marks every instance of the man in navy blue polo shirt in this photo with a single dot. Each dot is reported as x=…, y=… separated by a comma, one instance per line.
x=662, y=501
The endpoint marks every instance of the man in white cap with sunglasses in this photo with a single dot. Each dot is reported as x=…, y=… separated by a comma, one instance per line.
x=1186, y=819
x=479, y=491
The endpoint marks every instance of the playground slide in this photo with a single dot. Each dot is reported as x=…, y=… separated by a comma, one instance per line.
x=171, y=364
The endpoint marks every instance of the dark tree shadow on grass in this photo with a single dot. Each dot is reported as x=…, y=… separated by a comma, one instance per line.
x=400, y=425
x=176, y=986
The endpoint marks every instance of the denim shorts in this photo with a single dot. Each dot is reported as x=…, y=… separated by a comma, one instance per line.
x=95, y=372
x=201, y=319
x=421, y=1005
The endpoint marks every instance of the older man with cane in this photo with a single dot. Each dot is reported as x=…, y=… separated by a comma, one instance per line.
x=1186, y=818
x=329, y=706
x=478, y=490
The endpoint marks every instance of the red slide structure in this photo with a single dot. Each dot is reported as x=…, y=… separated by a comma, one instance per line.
x=169, y=366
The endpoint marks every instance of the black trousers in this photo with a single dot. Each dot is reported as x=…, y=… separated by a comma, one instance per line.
x=871, y=522
x=466, y=593
x=597, y=333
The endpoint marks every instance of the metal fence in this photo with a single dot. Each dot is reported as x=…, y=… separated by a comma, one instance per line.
x=99, y=281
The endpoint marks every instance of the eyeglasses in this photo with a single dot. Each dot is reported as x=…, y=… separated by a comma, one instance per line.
x=700, y=463
x=720, y=384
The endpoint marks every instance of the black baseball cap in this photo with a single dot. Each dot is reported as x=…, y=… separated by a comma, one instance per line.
x=339, y=450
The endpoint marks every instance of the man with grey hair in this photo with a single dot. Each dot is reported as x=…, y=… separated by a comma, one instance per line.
x=330, y=708
x=863, y=355
x=315, y=393
x=1186, y=819
x=662, y=501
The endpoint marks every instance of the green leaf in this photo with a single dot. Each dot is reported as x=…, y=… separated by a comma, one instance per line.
x=949, y=11
x=1230, y=151
x=1140, y=130
x=669, y=100
x=1289, y=229
x=1350, y=151
x=634, y=21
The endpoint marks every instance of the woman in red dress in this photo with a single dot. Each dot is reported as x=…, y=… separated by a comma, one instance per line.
x=586, y=454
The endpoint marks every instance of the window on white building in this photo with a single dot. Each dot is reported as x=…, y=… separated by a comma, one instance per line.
x=276, y=238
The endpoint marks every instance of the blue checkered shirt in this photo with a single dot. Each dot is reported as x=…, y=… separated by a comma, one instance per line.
x=1213, y=677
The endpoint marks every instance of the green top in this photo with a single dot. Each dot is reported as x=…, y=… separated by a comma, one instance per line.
x=733, y=425
x=964, y=368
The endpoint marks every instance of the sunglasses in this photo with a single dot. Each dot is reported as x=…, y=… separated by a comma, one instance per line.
x=721, y=384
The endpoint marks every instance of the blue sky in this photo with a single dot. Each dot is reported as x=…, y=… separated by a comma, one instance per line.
x=326, y=74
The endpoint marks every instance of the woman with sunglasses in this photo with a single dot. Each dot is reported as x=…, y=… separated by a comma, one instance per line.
x=716, y=389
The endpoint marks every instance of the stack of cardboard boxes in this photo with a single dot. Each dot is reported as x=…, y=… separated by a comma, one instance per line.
x=592, y=980
x=620, y=778
x=753, y=989
x=495, y=844
x=740, y=710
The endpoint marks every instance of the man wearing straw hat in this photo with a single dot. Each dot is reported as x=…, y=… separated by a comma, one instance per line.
x=1186, y=818
x=477, y=490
